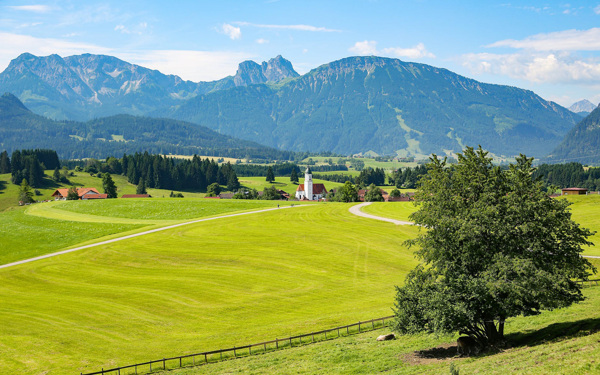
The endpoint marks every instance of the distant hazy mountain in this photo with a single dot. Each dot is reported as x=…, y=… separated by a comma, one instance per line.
x=582, y=106
x=581, y=144
x=362, y=104
x=99, y=138
x=88, y=86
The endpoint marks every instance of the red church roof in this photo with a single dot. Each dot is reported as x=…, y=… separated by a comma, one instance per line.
x=317, y=188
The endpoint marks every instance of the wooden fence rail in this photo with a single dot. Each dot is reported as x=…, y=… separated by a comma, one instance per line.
x=246, y=350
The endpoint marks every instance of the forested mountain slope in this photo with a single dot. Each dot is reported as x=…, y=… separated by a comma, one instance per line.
x=581, y=144
x=361, y=104
x=115, y=135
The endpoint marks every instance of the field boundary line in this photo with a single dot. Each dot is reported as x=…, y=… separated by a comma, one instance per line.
x=214, y=356
x=141, y=234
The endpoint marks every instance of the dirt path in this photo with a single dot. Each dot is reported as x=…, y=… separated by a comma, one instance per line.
x=356, y=210
x=137, y=235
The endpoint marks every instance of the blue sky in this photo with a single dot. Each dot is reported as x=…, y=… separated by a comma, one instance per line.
x=552, y=48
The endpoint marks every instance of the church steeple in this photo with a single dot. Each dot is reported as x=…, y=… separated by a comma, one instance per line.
x=308, y=184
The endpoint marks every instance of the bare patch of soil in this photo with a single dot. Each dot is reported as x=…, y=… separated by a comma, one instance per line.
x=445, y=352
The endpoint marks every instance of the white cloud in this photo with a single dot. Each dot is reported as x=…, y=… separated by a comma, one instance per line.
x=289, y=27
x=231, y=31
x=366, y=47
x=597, y=9
x=189, y=65
x=537, y=67
x=262, y=41
x=568, y=40
x=38, y=8
x=417, y=52
x=138, y=29
x=369, y=47
x=12, y=45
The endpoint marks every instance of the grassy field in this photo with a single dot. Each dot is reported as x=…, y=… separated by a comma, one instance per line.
x=369, y=162
x=234, y=281
x=586, y=211
x=282, y=183
x=9, y=192
x=202, y=286
x=563, y=341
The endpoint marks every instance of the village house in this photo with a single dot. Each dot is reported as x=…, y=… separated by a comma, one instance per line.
x=574, y=191
x=310, y=191
x=83, y=193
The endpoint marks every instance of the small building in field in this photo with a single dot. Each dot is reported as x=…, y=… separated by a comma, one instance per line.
x=574, y=191
x=308, y=190
x=83, y=193
x=136, y=196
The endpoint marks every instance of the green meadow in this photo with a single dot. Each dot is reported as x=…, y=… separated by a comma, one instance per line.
x=202, y=286
x=563, y=341
x=282, y=183
x=233, y=281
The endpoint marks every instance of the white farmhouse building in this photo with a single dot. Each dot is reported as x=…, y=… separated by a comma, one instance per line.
x=308, y=190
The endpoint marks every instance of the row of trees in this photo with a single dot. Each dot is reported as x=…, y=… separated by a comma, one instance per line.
x=28, y=165
x=569, y=175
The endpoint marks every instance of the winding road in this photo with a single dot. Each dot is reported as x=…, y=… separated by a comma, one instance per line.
x=356, y=210
x=137, y=235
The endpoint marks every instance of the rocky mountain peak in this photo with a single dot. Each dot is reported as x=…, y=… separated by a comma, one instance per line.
x=582, y=106
x=274, y=70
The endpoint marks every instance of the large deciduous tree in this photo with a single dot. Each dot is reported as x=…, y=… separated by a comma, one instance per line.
x=492, y=245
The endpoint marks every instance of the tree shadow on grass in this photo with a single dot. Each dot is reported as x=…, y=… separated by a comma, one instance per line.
x=555, y=332
x=2, y=186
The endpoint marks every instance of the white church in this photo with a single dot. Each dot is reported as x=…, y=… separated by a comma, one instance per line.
x=308, y=190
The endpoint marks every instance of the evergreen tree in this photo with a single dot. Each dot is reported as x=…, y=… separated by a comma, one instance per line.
x=141, y=187
x=56, y=174
x=4, y=163
x=294, y=176
x=270, y=176
x=233, y=183
x=109, y=185
x=25, y=192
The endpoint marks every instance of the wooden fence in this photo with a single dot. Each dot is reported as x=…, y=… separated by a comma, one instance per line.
x=246, y=350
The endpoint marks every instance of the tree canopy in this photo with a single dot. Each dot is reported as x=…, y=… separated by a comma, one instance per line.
x=492, y=245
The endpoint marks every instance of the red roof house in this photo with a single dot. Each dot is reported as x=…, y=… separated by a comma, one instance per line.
x=83, y=193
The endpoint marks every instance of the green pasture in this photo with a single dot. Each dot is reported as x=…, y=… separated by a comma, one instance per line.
x=202, y=286
x=563, y=341
x=392, y=210
x=369, y=162
x=282, y=183
x=9, y=192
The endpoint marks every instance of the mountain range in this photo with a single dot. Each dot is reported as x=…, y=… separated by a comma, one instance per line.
x=114, y=135
x=581, y=144
x=353, y=105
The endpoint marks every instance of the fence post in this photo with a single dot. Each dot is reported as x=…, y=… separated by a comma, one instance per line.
x=221, y=353
x=234, y=353
x=359, y=326
x=276, y=343
x=338, y=332
x=373, y=323
x=291, y=342
x=179, y=361
x=164, y=366
x=205, y=358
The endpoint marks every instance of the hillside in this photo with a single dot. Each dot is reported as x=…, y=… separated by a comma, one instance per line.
x=84, y=87
x=115, y=135
x=361, y=104
x=581, y=144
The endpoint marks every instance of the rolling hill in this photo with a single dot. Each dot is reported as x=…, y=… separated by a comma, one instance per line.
x=115, y=135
